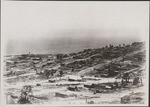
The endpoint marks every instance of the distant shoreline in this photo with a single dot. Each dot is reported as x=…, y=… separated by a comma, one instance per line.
x=64, y=52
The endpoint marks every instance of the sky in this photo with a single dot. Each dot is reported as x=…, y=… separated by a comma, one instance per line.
x=45, y=27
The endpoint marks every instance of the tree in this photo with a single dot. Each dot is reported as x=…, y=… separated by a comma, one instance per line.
x=106, y=47
x=59, y=56
x=61, y=73
x=126, y=77
x=111, y=70
x=102, y=48
x=111, y=46
x=34, y=67
x=52, y=72
x=72, y=70
x=62, y=64
x=47, y=74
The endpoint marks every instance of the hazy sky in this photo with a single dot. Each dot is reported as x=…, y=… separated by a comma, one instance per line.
x=54, y=27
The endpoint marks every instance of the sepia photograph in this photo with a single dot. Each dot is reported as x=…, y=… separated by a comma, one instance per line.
x=74, y=53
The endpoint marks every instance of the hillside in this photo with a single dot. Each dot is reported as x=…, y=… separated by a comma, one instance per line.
x=121, y=58
x=86, y=77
